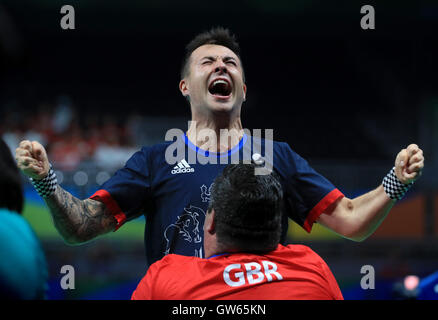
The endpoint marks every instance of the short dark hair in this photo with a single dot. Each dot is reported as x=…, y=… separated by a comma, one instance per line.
x=11, y=190
x=219, y=36
x=248, y=209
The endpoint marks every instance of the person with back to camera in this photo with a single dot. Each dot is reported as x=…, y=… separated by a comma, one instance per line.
x=23, y=267
x=245, y=259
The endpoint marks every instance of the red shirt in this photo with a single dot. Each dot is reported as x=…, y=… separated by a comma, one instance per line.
x=294, y=272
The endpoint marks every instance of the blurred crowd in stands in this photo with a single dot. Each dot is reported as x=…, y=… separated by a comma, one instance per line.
x=71, y=137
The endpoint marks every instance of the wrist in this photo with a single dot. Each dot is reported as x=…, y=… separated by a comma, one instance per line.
x=40, y=178
x=46, y=186
x=393, y=187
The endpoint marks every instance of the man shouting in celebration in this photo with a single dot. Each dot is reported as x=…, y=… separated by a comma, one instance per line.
x=174, y=196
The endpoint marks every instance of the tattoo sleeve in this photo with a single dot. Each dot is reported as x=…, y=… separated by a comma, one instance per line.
x=79, y=220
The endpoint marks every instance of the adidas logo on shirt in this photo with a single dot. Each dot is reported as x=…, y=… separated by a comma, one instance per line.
x=182, y=167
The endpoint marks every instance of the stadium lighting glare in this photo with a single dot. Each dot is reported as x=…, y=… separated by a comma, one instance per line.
x=80, y=178
x=411, y=282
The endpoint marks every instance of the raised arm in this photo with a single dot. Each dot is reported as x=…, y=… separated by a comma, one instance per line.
x=358, y=218
x=76, y=220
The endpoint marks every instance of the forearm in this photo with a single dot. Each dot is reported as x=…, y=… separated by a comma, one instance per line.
x=368, y=212
x=358, y=218
x=78, y=220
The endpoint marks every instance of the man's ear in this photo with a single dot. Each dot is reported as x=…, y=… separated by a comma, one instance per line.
x=244, y=92
x=183, y=88
x=209, y=222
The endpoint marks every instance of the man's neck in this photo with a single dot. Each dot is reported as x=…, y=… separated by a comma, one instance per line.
x=218, y=134
x=218, y=251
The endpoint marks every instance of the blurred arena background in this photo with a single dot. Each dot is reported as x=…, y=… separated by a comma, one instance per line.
x=344, y=98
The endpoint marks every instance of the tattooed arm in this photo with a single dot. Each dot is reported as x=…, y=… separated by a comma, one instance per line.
x=76, y=220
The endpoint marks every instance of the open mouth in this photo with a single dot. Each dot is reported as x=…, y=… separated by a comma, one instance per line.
x=220, y=88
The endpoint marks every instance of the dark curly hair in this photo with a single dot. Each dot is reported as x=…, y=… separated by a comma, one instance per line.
x=248, y=209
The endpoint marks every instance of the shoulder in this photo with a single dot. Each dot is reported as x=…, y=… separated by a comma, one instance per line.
x=158, y=147
x=172, y=257
x=175, y=263
x=147, y=153
x=280, y=148
x=16, y=226
x=155, y=148
x=168, y=277
x=285, y=160
x=300, y=251
x=266, y=141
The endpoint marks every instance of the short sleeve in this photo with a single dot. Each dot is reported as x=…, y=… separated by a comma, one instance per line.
x=127, y=191
x=307, y=193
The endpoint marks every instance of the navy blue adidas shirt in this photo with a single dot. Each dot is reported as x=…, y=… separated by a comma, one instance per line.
x=174, y=197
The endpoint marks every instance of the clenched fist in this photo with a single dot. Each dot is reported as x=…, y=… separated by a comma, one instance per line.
x=32, y=159
x=409, y=163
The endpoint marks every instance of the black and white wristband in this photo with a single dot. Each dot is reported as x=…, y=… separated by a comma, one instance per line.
x=394, y=188
x=47, y=186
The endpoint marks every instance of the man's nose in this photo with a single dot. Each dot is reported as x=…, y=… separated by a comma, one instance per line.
x=221, y=67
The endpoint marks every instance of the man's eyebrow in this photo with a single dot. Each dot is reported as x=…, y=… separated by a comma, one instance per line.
x=209, y=58
x=229, y=58
x=226, y=58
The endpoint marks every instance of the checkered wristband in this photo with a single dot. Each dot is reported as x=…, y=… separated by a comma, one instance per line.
x=394, y=188
x=46, y=186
